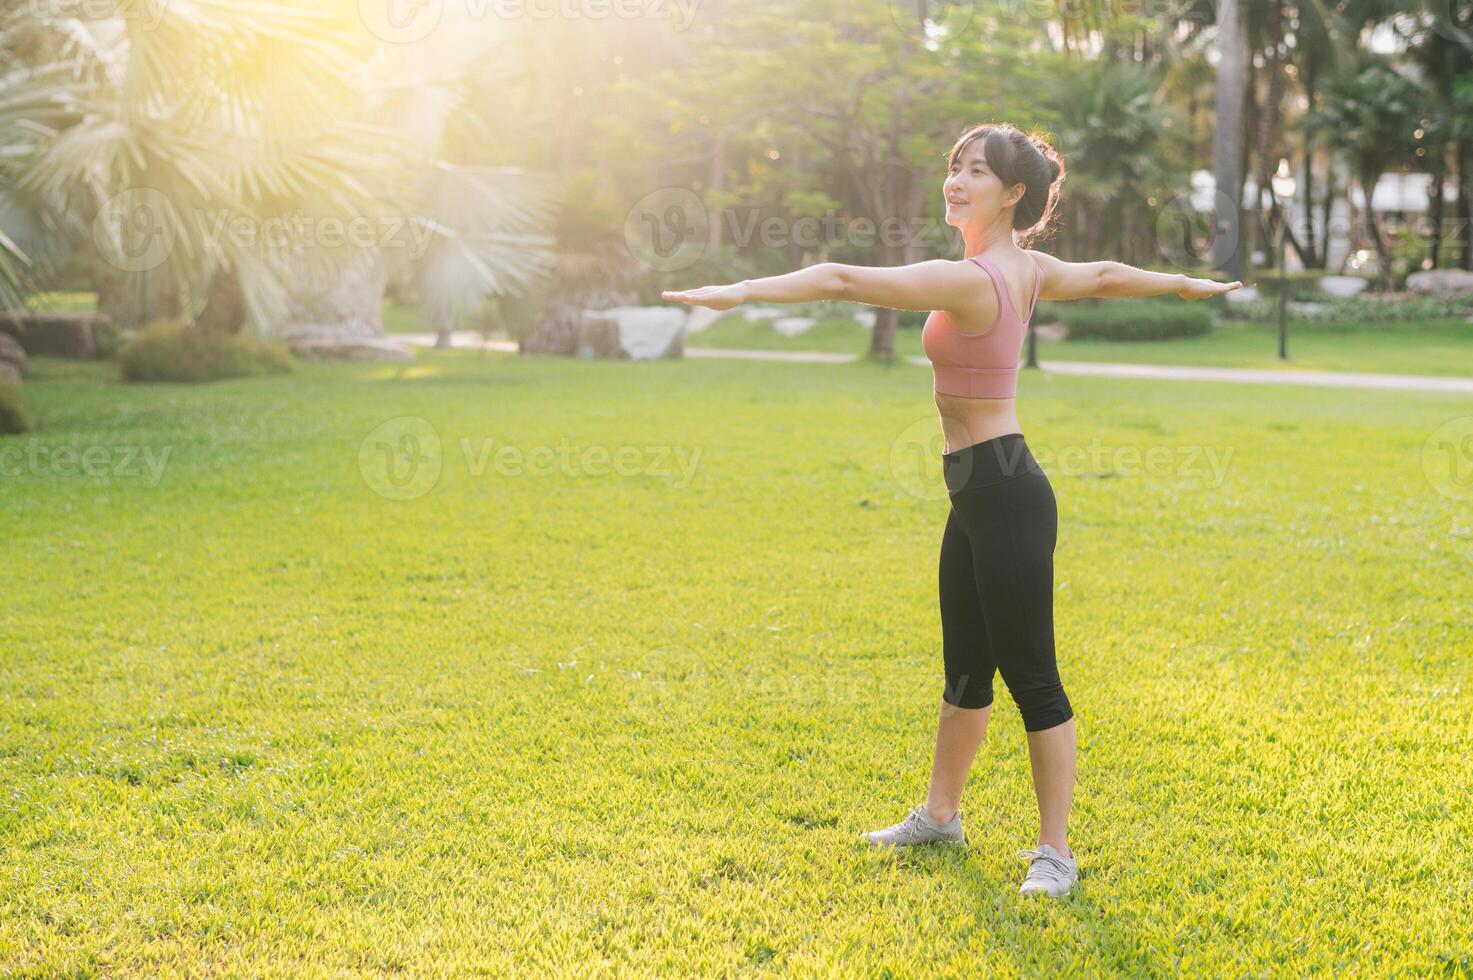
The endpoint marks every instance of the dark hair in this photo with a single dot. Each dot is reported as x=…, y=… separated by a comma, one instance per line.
x=1019, y=157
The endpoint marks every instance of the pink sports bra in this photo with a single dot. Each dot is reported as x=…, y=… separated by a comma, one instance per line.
x=980, y=365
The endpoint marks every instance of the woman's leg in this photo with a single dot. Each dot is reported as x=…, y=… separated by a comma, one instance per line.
x=1051, y=753
x=966, y=701
x=1013, y=529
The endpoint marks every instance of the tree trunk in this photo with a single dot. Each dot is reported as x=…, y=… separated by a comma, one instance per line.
x=1268, y=115
x=225, y=310
x=1328, y=206
x=1312, y=257
x=716, y=186
x=1465, y=206
x=1438, y=208
x=1232, y=76
x=1368, y=184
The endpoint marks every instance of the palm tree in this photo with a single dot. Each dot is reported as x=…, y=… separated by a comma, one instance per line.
x=1232, y=81
x=220, y=146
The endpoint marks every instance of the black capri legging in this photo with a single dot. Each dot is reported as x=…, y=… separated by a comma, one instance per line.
x=997, y=581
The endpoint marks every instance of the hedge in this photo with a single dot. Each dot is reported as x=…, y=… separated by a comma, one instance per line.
x=14, y=417
x=168, y=351
x=1135, y=320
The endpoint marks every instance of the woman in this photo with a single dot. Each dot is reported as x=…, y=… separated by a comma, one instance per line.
x=996, y=561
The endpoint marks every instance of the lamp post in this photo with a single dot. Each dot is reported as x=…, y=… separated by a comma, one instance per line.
x=1283, y=190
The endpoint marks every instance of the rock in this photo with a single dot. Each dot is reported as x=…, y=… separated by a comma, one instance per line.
x=12, y=358
x=640, y=333
x=1247, y=294
x=761, y=312
x=47, y=334
x=1452, y=283
x=320, y=348
x=866, y=319
x=702, y=317
x=1342, y=285
x=791, y=326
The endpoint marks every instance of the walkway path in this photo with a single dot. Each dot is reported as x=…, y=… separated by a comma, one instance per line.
x=1169, y=372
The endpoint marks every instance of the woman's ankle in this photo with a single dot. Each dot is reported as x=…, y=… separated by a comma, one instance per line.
x=940, y=814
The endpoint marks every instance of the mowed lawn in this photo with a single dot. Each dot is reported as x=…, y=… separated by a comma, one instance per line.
x=259, y=717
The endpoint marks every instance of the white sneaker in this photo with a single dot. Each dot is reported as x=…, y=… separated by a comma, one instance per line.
x=918, y=828
x=1049, y=872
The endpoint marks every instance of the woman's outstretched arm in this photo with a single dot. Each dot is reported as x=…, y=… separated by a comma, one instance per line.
x=1081, y=280
x=936, y=284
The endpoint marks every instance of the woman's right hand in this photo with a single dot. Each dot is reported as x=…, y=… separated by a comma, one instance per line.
x=715, y=297
x=1203, y=288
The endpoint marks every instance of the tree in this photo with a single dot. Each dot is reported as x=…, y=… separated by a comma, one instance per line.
x=1227, y=156
x=1370, y=113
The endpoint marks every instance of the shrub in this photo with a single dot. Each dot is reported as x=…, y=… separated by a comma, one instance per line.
x=168, y=351
x=1135, y=320
x=14, y=417
x=1302, y=284
x=1359, y=309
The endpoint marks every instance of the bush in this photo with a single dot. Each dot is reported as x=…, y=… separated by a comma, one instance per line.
x=1136, y=320
x=14, y=417
x=1303, y=284
x=1358, y=309
x=168, y=351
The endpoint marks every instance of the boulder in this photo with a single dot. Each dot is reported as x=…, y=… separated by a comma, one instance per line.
x=761, y=312
x=347, y=348
x=640, y=333
x=1343, y=285
x=702, y=317
x=866, y=319
x=12, y=358
x=43, y=333
x=1247, y=294
x=1452, y=283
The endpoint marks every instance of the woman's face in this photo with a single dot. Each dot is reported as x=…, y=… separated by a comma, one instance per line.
x=974, y=195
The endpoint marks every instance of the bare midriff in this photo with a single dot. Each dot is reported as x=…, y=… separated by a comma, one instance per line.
x=968, y=421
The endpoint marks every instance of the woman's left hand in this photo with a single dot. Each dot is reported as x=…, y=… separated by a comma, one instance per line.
x=1203, y=288
x=716, y=297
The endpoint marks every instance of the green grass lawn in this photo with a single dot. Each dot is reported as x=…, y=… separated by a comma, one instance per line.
x=1435, y=347
x=258, y=717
